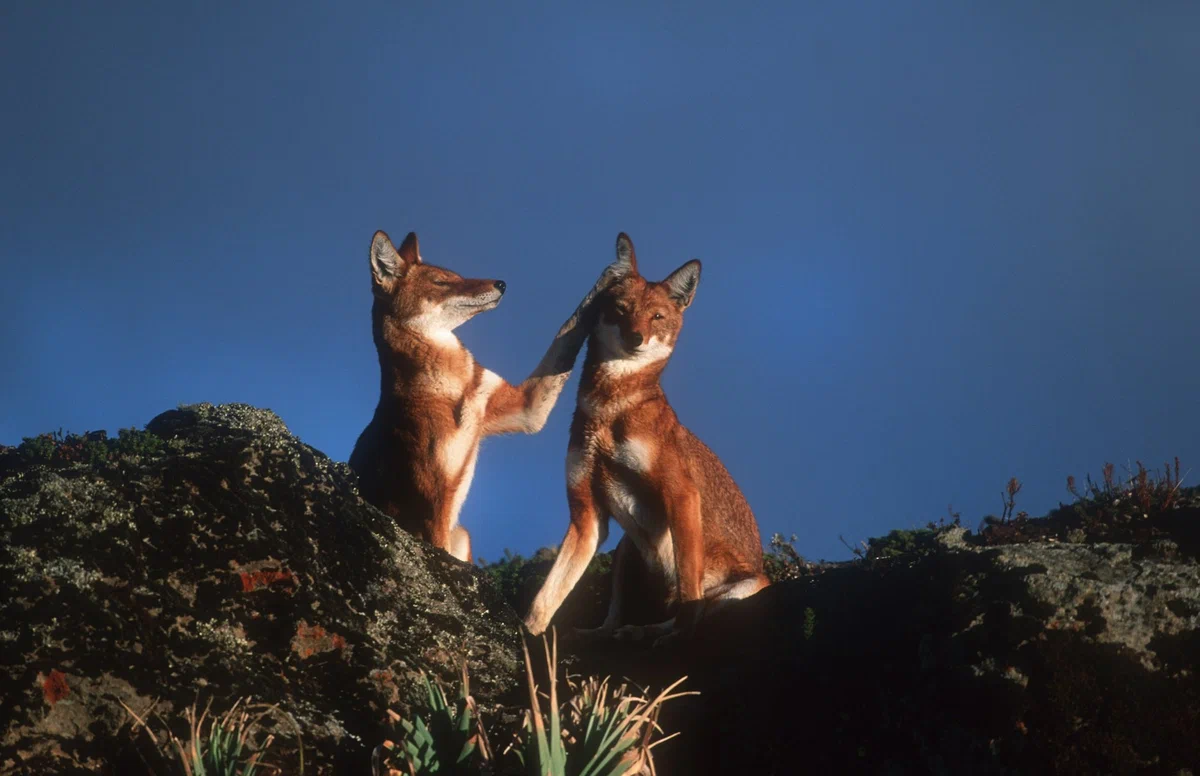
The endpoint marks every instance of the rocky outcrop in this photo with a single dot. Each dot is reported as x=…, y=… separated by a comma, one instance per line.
x=951, y=657
x=221, y=559
x=233, y=562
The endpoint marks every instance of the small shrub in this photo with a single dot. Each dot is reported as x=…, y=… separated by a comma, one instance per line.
x=1141, y=492
x=134, y=442
x=901, y=542
x=41, y=448
x=781, y=560
x=506, y=573
x=601, y=563
x=1009, y=498
x=92, y=448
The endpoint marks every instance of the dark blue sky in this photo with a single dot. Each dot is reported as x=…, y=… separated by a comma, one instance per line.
x=943, y=243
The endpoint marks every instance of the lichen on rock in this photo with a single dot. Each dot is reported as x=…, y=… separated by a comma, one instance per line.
x=231, y=561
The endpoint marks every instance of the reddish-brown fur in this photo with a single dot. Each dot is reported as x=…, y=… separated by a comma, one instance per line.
x=416, y=458
x=629, y=457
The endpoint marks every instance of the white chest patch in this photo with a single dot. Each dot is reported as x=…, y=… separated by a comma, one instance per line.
x=623, y=505
x=436, y=323
x=464, y=487
x=646, y=529
x=459, y=450
x=620, y=363
x=634, y=453
x=464, y=440
x=448, y=385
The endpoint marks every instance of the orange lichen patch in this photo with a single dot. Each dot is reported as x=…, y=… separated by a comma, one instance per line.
x=385, y=684
x=313, y=639
x=253, y=580
x=55, y=688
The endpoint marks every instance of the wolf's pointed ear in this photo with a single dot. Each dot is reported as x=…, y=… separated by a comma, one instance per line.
x=681, y=284
x=410, y=251
x=388, y=264
x=625, y=254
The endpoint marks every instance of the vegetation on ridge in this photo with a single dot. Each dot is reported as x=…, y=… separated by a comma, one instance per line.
x=601, y=730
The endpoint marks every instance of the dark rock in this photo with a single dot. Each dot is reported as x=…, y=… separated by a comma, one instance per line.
x=1021, y=659
x=238, y=563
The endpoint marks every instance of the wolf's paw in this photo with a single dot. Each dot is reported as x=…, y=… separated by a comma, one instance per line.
x=589, y=635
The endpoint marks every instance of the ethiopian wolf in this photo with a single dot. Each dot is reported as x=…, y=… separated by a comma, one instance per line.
x=416, y=457
x=684, y=518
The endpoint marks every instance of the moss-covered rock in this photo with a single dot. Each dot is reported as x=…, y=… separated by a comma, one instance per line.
x=221, y=558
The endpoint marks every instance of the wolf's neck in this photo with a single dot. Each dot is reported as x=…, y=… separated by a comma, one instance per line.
x=405, y=351
x=605, y=377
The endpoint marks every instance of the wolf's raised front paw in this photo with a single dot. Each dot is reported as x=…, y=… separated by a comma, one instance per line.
x=612, y=273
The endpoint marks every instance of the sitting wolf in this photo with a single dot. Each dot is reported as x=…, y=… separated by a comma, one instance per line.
x=416, y=458
x=629, y=457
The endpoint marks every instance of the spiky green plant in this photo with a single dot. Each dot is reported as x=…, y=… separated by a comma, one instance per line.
x=453, y=742
x=230, y=746
x=607, y=730
x=602, y=731
x=228, y=749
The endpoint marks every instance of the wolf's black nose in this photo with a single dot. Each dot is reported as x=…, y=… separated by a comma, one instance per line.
x=633, y=340
x=501, y=285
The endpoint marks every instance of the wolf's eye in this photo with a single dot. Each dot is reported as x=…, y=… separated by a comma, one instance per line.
x=657, y=317
x=441, y=282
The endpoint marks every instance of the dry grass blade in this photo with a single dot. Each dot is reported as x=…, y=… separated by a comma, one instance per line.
x=535, y=711
x=274, y=710
x=141, y=719
x=480, y=739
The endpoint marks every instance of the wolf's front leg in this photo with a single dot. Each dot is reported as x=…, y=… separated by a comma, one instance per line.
x=687, y=536
x=616, y=607
x=526, y=407
x=578, y=548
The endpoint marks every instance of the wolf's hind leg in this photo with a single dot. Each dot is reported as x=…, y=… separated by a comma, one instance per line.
x=460, y=543
x=735, y=590
x=716, y=598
